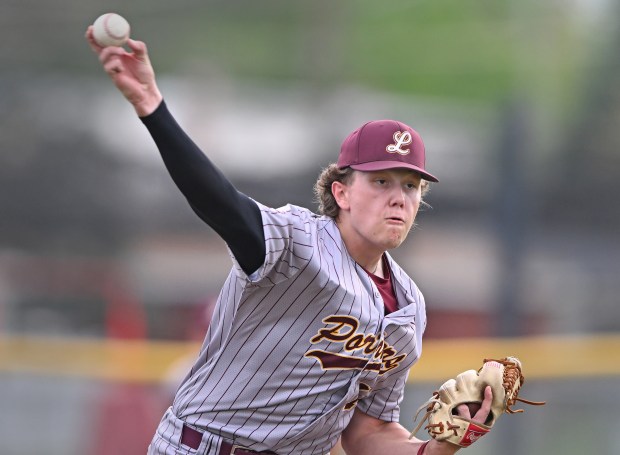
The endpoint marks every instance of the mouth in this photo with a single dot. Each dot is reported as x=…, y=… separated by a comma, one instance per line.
x=395, y=220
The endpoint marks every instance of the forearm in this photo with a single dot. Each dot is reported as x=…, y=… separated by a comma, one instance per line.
x=205, y=187
x=392, y=438
x=388, y=438
x=234, y=216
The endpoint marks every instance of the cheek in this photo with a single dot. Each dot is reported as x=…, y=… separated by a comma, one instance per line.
x=362, y=201
x=415, y=206
x=417, y=200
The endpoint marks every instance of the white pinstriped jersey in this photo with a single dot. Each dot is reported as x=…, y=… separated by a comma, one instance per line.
x=293, y=349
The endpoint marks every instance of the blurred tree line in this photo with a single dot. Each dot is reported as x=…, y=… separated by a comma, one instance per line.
x=553, y=61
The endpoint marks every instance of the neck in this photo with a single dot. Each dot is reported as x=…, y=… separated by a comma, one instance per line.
x=378, y=270
x=368, y=257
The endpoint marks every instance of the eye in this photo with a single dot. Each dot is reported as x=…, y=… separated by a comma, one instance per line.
x=411, y=185
x=381, y=181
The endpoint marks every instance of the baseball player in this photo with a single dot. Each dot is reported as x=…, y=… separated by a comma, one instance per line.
x=316, y=326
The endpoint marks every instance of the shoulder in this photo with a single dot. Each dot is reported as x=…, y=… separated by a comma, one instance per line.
x=291, y=214
x=288, y=209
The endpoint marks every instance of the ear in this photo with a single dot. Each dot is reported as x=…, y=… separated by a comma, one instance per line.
x=341, y=195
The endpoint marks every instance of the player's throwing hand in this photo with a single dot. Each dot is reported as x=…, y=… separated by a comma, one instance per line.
x=131, y=72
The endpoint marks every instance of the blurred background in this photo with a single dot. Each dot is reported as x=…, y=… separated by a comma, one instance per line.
x=107, y=278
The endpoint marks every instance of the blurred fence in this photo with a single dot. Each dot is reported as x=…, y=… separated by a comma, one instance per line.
x=88, y=396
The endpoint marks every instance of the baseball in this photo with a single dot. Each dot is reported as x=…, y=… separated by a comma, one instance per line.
x=110, y=29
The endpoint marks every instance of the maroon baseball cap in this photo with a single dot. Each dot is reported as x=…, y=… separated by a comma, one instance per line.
x=384, y=144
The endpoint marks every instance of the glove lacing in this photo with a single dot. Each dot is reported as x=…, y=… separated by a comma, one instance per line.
x=430, y=408
x=512, y=374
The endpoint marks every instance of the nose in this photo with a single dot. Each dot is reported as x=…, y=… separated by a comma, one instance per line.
x=397, y=197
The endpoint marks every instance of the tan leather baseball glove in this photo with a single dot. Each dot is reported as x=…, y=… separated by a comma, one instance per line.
x=505, y=377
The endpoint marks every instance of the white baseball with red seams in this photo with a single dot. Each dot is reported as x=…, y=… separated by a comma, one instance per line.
x=111, y=29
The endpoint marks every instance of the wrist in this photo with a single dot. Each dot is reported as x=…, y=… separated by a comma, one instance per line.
x=147, y=104
x=435, y=447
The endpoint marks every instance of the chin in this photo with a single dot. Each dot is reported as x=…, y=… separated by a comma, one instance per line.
x=393, y=243
x=391, y=239
x=397, y=238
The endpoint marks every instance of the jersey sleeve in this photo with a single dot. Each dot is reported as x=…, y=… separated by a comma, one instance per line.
x=288, y=233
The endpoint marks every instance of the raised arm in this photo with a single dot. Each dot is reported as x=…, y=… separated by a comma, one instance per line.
x=233, y=215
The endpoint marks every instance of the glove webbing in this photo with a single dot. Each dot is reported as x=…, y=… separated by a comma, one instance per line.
x=512, y=374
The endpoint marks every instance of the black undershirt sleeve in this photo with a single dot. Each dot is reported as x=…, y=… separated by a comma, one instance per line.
x=232, y=214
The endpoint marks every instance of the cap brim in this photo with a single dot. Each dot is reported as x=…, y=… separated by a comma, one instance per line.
x=382, y=165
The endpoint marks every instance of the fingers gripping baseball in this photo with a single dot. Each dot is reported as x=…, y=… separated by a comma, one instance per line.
x=131, y=72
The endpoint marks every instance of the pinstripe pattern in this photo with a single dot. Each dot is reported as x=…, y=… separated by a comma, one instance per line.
x=167, y=439
x=265, y=376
